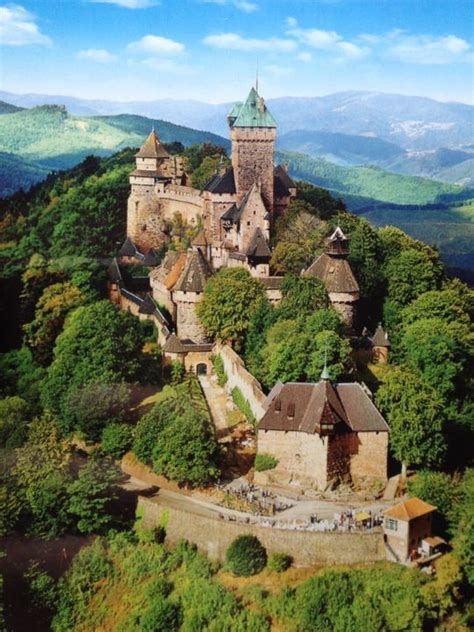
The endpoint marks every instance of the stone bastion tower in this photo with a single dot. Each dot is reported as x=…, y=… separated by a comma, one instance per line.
x=155, y=169
x=253, y=134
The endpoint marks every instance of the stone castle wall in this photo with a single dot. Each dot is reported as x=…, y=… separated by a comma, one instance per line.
x=238, y=376
x=213, y=536
x=302, y=459
x=370, y=459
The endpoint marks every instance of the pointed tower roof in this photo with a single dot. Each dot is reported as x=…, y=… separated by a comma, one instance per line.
x=337, y=243
x=252, y=113
x=195, y=274
x=152, y=147
x=258, y=246
x=380, y=337
x=325, y=372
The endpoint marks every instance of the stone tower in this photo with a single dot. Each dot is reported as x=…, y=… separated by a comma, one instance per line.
x=333, y=269
x=154, y=170
x=253, y=133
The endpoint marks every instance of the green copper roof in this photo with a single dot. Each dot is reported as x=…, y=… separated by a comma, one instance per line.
x=253, y=113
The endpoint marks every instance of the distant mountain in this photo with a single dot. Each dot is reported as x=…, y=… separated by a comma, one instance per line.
x=410, y=122
x=48, y=137
x=342, y=149
x=447, y=165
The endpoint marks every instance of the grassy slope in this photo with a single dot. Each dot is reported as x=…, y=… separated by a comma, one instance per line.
x=51, y=138
x=371, y=182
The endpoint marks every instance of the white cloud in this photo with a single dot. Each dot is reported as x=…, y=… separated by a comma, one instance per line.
x=329, y=41
x=128, y=4
x=305, y=57
x=18, y=27
x=156, y=45
x=233, y=41
x=242, y=5
x=426, y=49
x=97, y=54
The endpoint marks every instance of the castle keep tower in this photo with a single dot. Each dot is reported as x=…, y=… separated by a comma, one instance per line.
x=253, y=133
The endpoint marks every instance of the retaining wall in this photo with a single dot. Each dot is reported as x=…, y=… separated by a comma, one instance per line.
x=213, y=536
x=237, y=375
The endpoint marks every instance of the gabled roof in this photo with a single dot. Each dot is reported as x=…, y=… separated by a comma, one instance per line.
x=232, y=214
x=222, y=183
x=195, y=274
x=258, y=247
x=252, y=113
x=272, y=282
x=174, y=345
x=305, y=407
x=152, y=147
x=151, y=259
x=335, y=273
x=337, y=244
x=380, y=337
x=282, y=183
x=128, y=248
x=114, y=272
x=410, y=509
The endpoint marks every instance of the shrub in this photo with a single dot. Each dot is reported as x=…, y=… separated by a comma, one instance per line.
x=265, y=462
x=116, y=439
x=161, y=616
x=177, y=372
x=242, y=404
x=246, y=556
x=218, y=365
x=279, y=562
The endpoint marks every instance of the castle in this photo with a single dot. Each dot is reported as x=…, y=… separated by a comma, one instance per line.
x=233, y=216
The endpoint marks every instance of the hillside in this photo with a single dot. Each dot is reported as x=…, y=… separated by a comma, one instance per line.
x=8, y=108
x=408, y=121
x=16, y=173
x=371, y=182
x=50, y=136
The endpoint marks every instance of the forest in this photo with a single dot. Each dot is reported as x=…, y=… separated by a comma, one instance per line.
x=72, y=364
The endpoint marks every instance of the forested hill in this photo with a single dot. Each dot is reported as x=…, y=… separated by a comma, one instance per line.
x=49, y=138
x=372, y=182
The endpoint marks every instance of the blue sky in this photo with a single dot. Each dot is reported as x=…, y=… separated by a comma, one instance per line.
x=209, y=49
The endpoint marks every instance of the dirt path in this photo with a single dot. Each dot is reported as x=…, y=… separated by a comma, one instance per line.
x=217, y=399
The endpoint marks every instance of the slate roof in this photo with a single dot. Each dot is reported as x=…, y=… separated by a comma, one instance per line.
x=282, y=183
x=252, y=113
x=258, y=247
x=380, y=337
x=232, y=214
x=222, y=183
x=303, y=407
x=410, y=509
x=151, y=259
x=152, y=147
x=114, y=272
x=195, y=274
x=128, y=248
x=174, y=345
x=335, y=273
x=271, y=283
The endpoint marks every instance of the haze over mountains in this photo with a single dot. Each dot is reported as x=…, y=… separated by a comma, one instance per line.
x=404, y=134
x=365, y=147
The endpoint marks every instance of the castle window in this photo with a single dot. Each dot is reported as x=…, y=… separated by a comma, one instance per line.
x=391, y=524
x=278, y=406
x=290, y=411
x=137, y=204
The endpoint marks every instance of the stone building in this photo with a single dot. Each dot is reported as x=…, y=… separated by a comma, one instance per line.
x=321, y=434
x=406, y=526
x=334, y=270
x=236, y=210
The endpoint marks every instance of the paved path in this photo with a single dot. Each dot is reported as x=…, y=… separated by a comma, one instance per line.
x=217, y=399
